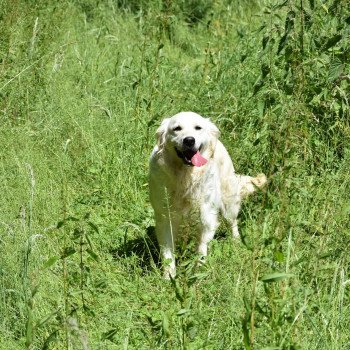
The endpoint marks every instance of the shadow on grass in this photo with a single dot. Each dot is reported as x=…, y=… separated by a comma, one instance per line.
x=143, y=252
x=145, y=249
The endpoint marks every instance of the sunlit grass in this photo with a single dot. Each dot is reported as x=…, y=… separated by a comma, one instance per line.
x=83, y=86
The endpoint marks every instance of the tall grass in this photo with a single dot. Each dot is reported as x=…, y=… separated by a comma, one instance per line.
x=83, y=86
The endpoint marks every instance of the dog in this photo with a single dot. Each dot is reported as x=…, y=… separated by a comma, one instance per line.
x=191, y=181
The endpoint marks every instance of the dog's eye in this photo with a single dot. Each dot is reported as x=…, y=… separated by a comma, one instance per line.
x=198, y=127
x=178, y=128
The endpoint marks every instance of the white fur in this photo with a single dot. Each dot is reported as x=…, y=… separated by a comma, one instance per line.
x=188, y=199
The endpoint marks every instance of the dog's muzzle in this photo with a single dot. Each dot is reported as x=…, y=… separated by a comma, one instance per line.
x=188, y=150
x=186, y=156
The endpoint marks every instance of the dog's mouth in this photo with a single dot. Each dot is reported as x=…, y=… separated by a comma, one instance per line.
x=191, y=157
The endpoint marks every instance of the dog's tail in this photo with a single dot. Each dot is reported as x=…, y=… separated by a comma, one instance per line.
x=249, y=184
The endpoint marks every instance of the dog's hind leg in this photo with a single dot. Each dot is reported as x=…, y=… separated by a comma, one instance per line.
x=230, y=211
x=245, y=185
x=231, y=216
x=209, y=220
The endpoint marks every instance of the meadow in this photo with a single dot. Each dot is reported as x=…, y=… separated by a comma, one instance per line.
x=84, y=85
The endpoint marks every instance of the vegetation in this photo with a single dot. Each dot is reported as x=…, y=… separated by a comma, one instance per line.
x=83, y=86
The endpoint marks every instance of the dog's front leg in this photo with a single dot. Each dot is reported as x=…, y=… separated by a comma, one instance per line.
x=166, y=231
x=209, y=219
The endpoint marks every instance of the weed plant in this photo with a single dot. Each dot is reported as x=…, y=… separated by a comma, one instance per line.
x=83, y=86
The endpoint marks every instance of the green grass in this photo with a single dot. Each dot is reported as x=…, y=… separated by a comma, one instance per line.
x=83, y=86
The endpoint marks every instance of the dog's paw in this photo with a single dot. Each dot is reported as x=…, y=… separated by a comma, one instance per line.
x=201, y=260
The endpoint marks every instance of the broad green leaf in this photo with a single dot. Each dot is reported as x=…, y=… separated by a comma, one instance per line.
x=51, y=261
x=332, y=41
x=67, y=252
x=336, y=68
x=93, y=226
x=46, y=319
x=92, y=254
x=183, y=312
x=198, y=276
x=166, y=325
x=52, y=337
x=29, y=328
x=110, y=334
x=275, y=276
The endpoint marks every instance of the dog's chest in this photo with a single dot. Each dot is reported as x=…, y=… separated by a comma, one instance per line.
x=190, y=190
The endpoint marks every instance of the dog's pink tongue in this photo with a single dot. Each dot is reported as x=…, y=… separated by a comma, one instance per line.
x=198, y=160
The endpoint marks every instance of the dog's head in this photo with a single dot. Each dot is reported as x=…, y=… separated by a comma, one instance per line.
x=188, y=138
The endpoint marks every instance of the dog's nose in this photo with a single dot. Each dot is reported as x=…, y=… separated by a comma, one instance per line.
x=189, y=141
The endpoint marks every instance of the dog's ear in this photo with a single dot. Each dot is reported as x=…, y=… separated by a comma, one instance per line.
x=161, y=131
x=213, y=130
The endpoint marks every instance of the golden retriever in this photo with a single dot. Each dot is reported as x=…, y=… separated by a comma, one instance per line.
x=191, y=181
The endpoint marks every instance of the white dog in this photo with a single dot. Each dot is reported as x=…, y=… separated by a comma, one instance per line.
x=191, y=181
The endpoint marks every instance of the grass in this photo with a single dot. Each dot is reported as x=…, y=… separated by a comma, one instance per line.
x=83, y=86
